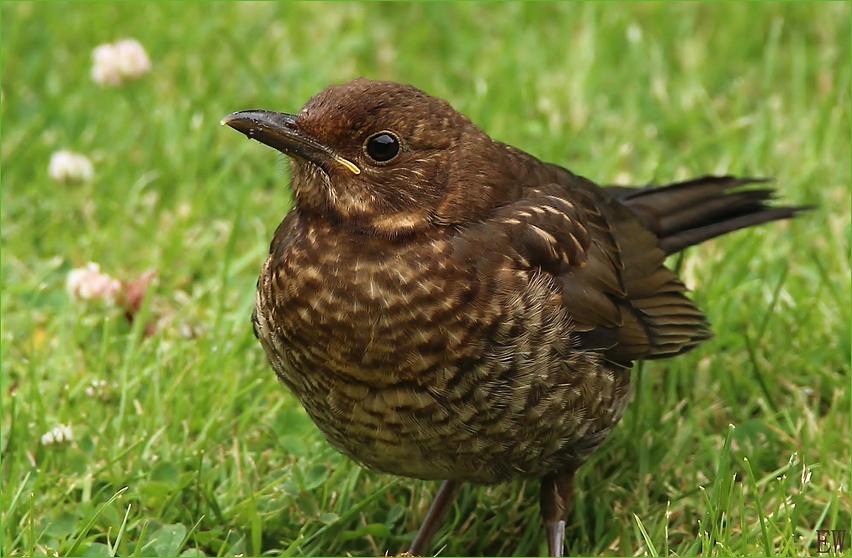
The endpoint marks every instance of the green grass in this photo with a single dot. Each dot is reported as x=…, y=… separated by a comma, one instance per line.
x=188, y=445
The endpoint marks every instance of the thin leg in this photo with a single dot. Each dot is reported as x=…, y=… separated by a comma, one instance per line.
x=442, y=502
x=557, y=491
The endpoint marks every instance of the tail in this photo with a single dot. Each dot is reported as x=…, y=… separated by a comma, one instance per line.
x=688, y=213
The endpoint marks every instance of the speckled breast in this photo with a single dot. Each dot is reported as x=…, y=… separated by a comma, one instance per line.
x=413, y=364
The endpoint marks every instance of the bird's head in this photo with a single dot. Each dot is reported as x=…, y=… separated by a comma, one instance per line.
x=382, y=157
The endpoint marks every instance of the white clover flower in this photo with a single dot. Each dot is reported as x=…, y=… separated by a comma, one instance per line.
x=117, y=62
x=57, y=435
x=96, y=388
x=67, y=166
x=88, y=283
x=133, y=59
x=105, y=66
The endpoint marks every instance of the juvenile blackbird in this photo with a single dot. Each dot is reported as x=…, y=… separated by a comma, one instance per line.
x=448, y=307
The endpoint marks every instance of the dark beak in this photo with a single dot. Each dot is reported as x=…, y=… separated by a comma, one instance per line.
x=278, y=130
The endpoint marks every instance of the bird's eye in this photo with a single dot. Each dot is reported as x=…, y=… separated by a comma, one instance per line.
x=382, y=147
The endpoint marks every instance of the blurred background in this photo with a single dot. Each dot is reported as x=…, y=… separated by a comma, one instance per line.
x=139, y=416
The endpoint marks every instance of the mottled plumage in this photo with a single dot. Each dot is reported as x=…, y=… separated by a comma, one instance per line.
x=448, y=307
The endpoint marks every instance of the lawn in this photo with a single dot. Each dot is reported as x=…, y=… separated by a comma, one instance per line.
x=171, y=436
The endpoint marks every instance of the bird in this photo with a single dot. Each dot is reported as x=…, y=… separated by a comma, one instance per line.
x=448, y=307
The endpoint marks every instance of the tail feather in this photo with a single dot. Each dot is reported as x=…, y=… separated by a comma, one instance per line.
x=688, y=213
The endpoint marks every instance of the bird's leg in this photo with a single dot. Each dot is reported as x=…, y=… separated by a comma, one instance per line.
x=557, y=491
x=440, y=504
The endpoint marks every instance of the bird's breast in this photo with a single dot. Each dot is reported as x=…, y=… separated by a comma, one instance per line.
x=413, y=362
x=350, y=306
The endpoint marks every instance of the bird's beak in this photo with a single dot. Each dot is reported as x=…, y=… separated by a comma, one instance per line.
x=278, y=130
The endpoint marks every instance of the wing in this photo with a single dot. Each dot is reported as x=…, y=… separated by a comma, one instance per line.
x=609, y=267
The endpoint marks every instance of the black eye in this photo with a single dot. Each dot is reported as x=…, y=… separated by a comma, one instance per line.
x=382, y=147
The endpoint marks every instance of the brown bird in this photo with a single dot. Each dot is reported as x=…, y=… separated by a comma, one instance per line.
x=448, y=307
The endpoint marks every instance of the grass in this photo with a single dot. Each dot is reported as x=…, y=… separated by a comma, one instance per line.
x=184, y=443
